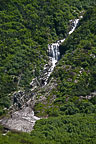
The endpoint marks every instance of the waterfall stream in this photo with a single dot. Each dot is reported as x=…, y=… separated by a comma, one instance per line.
x=24, y=120
x=53, y=50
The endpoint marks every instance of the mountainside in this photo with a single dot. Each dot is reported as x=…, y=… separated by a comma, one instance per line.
x=26, y=28
x=68, y=101
x=74, y=76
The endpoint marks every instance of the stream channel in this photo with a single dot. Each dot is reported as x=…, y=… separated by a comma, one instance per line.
x=24, y=119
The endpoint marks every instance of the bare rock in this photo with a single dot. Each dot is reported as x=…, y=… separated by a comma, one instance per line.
x=22, y=120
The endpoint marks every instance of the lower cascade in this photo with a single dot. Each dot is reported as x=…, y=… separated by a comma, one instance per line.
x=24, y=119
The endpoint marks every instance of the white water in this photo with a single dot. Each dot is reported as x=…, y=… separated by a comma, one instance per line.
x=74, y=27
x=24, y=120
x=53, y=50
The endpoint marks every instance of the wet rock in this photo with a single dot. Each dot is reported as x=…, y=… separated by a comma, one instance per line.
x=19, y=99
x=33, y=83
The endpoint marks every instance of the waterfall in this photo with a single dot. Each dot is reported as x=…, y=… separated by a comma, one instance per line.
x=74, y=26
x=24, y=119
x=53, y=50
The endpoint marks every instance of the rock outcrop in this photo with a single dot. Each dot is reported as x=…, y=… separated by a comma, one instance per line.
x=22, y=120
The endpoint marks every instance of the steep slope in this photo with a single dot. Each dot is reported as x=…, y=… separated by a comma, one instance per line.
x=71, y=93
x=77, y=67
x=21, y=112
x=74, y=76
x=26, y=28
x=68, y=101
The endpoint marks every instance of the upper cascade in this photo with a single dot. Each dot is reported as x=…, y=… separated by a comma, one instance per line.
x=53, y=49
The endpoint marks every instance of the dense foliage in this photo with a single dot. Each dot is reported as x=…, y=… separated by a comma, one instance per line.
x=75, y=73
x=75, y=129
x=26, y=28
x=77, y=68
x=76, y=82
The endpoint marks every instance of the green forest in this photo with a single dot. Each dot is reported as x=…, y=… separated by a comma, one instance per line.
x=26, y=29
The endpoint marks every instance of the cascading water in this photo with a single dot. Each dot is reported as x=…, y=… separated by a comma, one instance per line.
x=74, y=26
x=53, y=50
x=24, y=120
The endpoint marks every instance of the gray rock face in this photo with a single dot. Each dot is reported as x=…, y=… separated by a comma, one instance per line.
x=18, y=99
x=22, y=120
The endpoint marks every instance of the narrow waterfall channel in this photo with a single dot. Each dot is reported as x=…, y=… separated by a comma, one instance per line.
x=53, y=50
x=24, y=119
